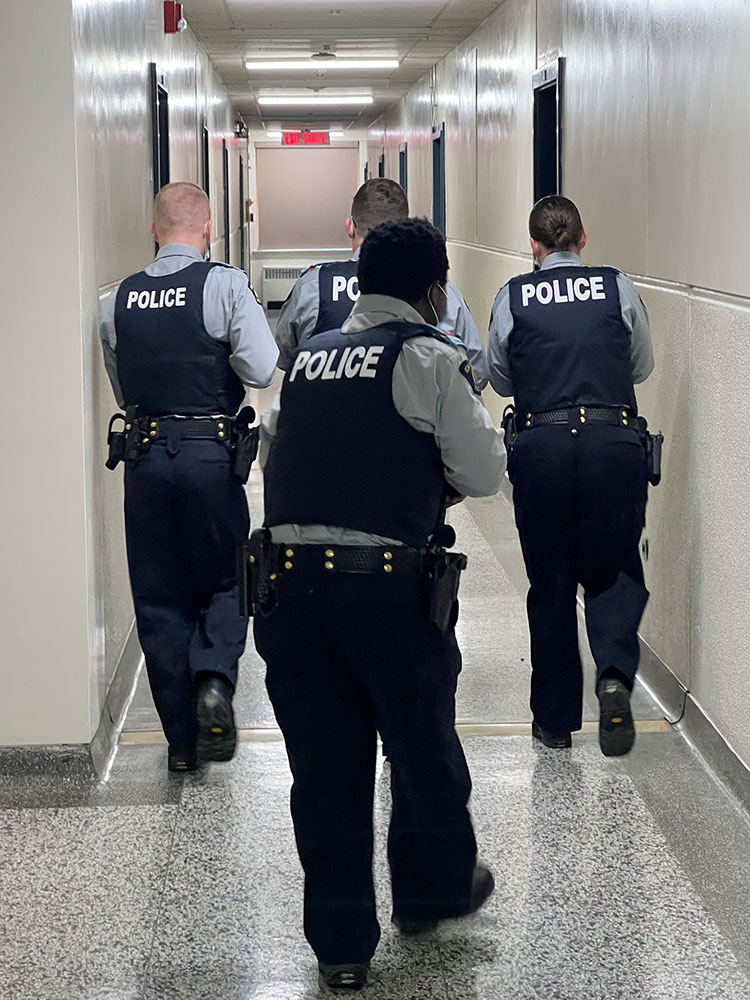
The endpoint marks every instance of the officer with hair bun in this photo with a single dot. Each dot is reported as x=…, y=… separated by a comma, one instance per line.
x=569, y=342
x=324, y=295
x=379, y=423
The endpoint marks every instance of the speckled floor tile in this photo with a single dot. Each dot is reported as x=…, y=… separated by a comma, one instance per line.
x=63, y=779
x=231, y=923
x=591, y=901
x=79, y=897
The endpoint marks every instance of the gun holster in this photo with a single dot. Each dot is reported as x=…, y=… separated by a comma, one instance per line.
x=508, y=424
x=257, y=574
x=654, y=444
x=119, y=441
x=444, y=573
x=246, y=440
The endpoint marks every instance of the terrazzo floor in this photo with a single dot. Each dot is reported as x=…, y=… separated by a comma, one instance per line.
x=619, y=879
x=616, y=880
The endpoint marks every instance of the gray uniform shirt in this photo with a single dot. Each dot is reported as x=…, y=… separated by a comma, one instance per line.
x=299, y=317
x=231, y=314
x=634, y=316
x=432, y=395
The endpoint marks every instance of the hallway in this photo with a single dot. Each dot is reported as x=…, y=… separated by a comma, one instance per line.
x=617, y=879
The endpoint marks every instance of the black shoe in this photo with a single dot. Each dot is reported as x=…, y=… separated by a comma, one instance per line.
x=411, y=926
x=217, y=734
x=180, y=760
x=482, y=887
x=616, y=726
x=556, y=741
x=344, y=977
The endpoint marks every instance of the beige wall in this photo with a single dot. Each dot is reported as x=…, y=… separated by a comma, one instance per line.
x=43, y=619
x=657, y=157
x=304, y=195
x=80, y=210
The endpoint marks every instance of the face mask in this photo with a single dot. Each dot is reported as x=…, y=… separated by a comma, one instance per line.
x=434, y=310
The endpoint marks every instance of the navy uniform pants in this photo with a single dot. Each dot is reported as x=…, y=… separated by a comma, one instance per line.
x=580, y=503
x=349, y=656
x=185, y=515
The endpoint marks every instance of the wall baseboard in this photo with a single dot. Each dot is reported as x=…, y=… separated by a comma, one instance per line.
x=687, y=717
x=121, y=690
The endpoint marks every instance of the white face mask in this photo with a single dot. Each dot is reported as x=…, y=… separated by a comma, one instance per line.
x=434, y=310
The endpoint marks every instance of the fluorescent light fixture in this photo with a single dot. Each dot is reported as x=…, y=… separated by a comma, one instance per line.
x=315, y=101
x=274, y=135
x=313, y=64
x=336, y=135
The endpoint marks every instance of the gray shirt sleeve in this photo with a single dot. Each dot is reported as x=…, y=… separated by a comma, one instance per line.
x=109, y=341
x=432, y=395
x=635, y=318
x=459, y=323
x=298, y=315
x=501, y=327
x=231, y=313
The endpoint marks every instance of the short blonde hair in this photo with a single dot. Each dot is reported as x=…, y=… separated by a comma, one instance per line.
x=181, y=207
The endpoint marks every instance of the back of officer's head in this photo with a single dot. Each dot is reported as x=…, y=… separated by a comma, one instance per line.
x=555, y=222
x=378, y=200
x=402, y=259
x=181, y=209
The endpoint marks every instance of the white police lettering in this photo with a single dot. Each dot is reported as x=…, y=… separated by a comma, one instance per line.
x=340, y=284
x=351, y=362
x=167, y=298
x=563, y=290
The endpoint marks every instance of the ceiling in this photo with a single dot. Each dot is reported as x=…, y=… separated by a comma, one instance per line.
x=417, y=32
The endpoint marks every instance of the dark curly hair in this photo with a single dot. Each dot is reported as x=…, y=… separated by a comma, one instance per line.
x=555, y=222
x=402, y=259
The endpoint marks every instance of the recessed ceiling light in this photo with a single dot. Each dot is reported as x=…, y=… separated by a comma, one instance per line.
x=316, y=101
x=336, y=135
x=310, y=64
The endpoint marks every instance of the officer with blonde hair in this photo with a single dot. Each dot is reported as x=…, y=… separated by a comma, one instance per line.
x=181, y=340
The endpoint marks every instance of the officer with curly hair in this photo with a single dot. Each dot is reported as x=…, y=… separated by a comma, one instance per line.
x=379, y=423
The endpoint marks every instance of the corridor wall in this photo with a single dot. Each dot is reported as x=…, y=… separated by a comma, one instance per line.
x=81, y=189
x=655, y=156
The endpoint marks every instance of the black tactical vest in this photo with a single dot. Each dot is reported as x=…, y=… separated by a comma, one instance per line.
x=166, y=360
x=337, y=284
x=569, y=345
x=342, y=454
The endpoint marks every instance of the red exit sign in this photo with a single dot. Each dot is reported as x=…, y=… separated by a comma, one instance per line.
x=305, y=139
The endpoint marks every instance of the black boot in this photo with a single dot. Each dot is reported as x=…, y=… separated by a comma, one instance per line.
x=344, y=977
x=217, y=734
x=181, y=760
x=482, y=886
x=556, y=741
x=616, y=726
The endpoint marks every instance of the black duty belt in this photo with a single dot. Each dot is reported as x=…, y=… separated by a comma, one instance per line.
x=321, y=560
x=578, y=416
x=188, y=428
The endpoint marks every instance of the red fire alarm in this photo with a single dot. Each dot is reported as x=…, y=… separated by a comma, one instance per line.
x=173, y=19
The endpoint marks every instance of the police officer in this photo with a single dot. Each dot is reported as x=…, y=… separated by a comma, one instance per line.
x=378, y=422
x=181, y=341
x=324, y=295
x=569, y=342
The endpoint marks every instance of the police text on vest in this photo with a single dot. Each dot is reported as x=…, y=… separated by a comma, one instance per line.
x=565, y=290
x=341, y=284
x=351, y=362
x=167, y=298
